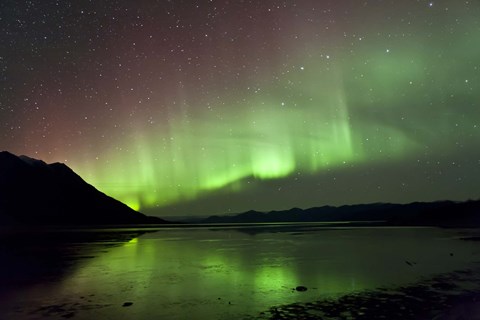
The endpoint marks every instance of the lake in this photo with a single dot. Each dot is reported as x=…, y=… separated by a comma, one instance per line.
x=217, y=272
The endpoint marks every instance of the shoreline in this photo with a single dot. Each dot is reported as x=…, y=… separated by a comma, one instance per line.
x=454, y=295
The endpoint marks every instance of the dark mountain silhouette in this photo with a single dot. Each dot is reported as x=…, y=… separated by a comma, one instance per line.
x=441, y=213
x=33, y=192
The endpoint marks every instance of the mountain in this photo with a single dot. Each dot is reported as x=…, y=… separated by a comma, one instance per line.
x=34, y=192
x=440, y=213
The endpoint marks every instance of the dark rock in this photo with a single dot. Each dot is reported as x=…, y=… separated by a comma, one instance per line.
x=471, y=239
x=68, y=315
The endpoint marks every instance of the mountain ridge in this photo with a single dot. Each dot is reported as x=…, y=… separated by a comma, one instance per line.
x=439, y=213
x=34, y=192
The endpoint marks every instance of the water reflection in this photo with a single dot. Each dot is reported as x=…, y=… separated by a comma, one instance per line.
x=29, y=256
x=229, y=273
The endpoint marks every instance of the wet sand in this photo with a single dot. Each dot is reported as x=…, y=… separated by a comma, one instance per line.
x=452, y=296
x=359, y=273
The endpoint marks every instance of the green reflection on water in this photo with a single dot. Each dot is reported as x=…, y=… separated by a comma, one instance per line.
x=213, y=274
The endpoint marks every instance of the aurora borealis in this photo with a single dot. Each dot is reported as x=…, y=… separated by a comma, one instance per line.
x=208, y=107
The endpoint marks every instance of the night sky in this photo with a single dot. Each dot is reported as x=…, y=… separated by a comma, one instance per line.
x=209, y=107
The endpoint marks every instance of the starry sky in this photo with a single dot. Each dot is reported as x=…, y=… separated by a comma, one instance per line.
x=222, y=106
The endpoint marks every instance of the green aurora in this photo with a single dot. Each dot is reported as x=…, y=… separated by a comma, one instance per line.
x=318, y=116
x=309, y=131
x=381, y=96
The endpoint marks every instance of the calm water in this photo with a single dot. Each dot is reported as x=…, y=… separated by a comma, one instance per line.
x=221, y=273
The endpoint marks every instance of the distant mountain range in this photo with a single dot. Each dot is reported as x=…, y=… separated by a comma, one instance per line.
x=441, y=213
x=33, y=192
